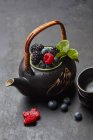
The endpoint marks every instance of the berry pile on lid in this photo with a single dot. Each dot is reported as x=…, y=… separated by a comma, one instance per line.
x=44, y=57
x=49, y=57
x=31, y=116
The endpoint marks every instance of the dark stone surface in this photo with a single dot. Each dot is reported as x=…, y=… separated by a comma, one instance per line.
x=17, y=19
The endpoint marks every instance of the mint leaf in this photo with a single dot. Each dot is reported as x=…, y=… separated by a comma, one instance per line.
x=73, y=54
x=64, y=50
x=61, y=54
x=63, y=46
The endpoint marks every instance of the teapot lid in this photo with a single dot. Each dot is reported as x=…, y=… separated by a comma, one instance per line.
x=46, y=69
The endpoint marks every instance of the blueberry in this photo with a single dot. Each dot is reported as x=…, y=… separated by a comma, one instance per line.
x=49, y=66
x=67, y=101
x=78, y=116
x=45, y=50
x=64, y=107
x=56, y=60
x=42, y=65
x=52, y=104
x=54, y=50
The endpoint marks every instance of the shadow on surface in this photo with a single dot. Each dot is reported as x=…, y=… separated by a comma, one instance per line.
x=87, y=109
x=29, y=102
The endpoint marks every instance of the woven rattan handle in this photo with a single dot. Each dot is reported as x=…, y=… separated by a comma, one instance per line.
x=33, y=34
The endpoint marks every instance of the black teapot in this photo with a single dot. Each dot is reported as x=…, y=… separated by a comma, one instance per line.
x=34, y=81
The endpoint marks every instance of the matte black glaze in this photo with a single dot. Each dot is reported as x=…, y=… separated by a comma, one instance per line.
x=84, y=79
x=41, y=81
x=17, y=19
x=85, y=101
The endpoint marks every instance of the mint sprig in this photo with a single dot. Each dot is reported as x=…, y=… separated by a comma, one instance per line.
x=73, y=54
x=65, y=50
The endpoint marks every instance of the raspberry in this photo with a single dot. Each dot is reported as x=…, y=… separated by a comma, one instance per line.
x=31, y=116
x=30, y=119
x=25, y=114
x=48, y=58
x=36, y=113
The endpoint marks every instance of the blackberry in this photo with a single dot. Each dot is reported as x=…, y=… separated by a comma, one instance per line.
x=36, y=57
x=36, y=47
x=54, y=51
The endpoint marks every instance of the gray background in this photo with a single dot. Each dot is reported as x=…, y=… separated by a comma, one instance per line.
x=17, y=19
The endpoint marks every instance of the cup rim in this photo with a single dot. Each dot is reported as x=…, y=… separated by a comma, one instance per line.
x=78, y=79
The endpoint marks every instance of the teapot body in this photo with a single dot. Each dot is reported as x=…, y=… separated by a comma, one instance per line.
x=49, y=83
x=46, y=83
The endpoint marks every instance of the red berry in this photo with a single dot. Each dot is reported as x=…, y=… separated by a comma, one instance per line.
x=30, y=119
x=35, y=112
x=31, y=116
x=48, y=58
x=25, y=114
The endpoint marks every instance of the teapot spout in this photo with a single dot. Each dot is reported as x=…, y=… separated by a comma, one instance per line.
x=9, y=82
x=20, y=83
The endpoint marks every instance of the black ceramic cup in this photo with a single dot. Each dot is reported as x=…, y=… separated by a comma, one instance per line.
x=85, y=87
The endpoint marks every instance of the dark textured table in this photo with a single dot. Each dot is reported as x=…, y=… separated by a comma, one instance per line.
x=17, y=19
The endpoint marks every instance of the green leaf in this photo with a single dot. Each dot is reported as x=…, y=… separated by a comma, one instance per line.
x=73, y=54
x=63, y=46
x=64, y=50
x=60, y=54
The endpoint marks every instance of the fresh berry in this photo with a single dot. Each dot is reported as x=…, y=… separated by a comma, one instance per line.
x=67, y=101
x=45, y=50
x=36, y=57
x=52, y=104
x=32, y=111
x=36, y=47
x=49, y=66
x=56, y=60
x=64, y=107
x=54, y=51
x=35, y=112
x=30, y=119
x=31, y=116
x=26, y=113
x=78, y=116
x=42, y=65
x=48, y=58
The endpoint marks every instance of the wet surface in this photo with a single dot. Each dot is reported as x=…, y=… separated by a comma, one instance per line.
x=17, y=19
